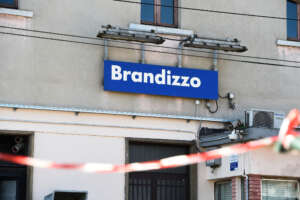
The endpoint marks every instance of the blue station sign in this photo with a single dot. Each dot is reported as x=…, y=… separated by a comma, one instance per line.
x=160, y=80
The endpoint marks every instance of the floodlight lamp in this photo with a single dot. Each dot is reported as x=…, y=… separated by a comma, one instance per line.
x=115, y=33
x=215, y=44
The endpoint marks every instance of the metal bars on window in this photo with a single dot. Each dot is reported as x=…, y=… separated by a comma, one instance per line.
x=158, y=186
x=167, y=184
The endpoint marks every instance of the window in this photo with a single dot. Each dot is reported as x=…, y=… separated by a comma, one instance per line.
x=293, y=13
x=160, y=12
x=9, y=3
x=223, y=190
x=280, y=190
x=168, y=184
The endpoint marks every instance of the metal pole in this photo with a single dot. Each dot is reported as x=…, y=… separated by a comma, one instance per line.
x=142, y=53
x=215, y=60
x=179, y=57
x=247, y=187
x=105, y=49
x=111, y=112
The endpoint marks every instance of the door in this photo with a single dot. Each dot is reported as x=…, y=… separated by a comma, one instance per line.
x=13, y=176
x=167, y=184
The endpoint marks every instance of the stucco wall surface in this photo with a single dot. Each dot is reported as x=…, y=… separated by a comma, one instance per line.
x=67, y=138
x=267, y=163
x=264, y=162
x=47, y=72
x=78, y=149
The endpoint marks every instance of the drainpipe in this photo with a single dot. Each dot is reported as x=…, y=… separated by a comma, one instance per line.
x=246, y=186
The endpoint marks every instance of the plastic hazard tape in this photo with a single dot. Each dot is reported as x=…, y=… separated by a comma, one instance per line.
x=287, y=129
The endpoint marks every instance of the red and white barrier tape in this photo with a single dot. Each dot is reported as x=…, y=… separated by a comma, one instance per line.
x=287, y=133
x=292, y=120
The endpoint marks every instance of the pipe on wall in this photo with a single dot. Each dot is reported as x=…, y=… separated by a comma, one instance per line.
x=110, y=112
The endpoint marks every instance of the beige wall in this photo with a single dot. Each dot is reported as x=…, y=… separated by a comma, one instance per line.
x=54, y=73
x=65, y=137
x=80, y=149
x=43, y=72
x=205, y=187
x=265, y=162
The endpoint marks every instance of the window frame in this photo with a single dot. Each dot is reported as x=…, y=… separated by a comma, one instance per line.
x=192, y=173
x=15, y=172
x=298, y=22
x=279, y=180
x=157, y=15
x=219, y=183
x=6, y=5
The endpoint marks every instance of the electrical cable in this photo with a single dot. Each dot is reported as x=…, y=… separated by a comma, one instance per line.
x=223, y=97
x=197, y=140
x=148, y=45
x=213, y=111
x=211, y=11
x=154, y=51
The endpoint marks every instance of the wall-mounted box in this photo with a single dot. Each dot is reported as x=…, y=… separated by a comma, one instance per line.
x=213, y=163
x=66, y=195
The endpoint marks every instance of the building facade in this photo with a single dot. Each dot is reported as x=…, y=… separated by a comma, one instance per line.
x=54, y=103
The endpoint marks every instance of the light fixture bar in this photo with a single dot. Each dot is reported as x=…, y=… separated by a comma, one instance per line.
x=224, y=45
x=115, y=33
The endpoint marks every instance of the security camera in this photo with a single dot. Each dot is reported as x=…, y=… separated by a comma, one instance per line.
x=17, y=148
x=18, y=139
x=230, y=96
x=233, y=135
x=236, y=123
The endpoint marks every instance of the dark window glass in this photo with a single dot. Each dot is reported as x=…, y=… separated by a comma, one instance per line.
x=159, y=12
x=147, y=11
x=8, y=3
x=8, y=190
x=292, y=25
x=167, y=12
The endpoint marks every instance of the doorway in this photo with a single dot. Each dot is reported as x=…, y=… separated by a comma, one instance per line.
x=167, y=184
x=13, y=177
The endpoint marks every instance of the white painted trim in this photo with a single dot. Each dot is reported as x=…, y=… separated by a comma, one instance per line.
x=288, y=43
x=16, y=12
x=161, y=30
